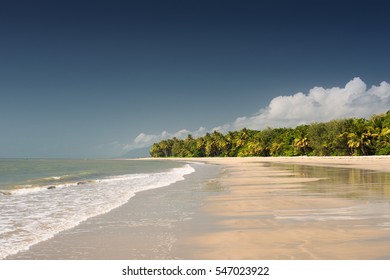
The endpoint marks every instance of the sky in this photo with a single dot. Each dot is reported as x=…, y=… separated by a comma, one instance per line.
x=87, y=79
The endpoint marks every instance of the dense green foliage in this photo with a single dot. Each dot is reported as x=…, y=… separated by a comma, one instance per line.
x=334, y=138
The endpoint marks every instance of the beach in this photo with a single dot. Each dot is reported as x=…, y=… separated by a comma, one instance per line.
x=145, y=227
x=245, y=208
x=270, y=213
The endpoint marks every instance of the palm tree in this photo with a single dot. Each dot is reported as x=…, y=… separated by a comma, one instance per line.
x=302, y=144
x=165, y=148
x=362, y=137
x=241, y=139
x=231, y=144
x=301, y=141
x=210, y=148
x=200, y=145
x=156, y=150
x=353, y=142
x=383, y=142
x=220, y=144
x=255, y=148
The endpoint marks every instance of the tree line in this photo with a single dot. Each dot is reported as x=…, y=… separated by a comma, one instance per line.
x=342, y=137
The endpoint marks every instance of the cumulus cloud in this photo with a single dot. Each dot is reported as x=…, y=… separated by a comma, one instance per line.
x=318, y=105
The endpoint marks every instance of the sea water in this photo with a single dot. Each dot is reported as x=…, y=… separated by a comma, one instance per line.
x=42, y=197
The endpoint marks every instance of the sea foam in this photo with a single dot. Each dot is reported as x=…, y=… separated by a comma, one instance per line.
x=31, y=215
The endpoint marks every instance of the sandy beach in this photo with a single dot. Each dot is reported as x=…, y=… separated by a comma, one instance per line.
x=265, y=213
x=377, y=163
x=245, y=208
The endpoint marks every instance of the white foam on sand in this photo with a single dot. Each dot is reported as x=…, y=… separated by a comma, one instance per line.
x=31, y=215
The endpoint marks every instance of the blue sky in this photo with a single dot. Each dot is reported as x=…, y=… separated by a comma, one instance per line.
x=97, y=78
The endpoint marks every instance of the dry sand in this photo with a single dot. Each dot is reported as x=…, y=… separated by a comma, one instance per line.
x=264, y=215
x=377, y=163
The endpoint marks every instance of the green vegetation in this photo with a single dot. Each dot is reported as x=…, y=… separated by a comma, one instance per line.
x=344, y=137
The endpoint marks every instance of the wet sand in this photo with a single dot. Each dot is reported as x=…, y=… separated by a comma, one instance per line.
x=269, y=212
x=245, y=208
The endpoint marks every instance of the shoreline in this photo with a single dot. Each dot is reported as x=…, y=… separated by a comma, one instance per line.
x=145, y=227
x=252, y=208
x=377, y=163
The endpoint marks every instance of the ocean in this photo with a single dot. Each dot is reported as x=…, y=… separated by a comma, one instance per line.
x=42, y=197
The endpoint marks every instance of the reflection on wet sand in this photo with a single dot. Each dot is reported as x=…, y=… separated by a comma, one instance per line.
x=274, y=211
x=345, y=182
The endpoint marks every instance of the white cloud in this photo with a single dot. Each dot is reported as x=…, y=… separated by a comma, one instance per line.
x=319, y=105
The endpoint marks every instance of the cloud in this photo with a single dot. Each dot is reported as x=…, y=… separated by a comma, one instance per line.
x=318, y=105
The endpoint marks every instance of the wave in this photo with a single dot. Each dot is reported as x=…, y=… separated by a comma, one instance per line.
x=62, y=178
x=32, y=215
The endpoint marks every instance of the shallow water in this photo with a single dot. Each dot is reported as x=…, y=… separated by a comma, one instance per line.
x=147, y=227
x=41, y=198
